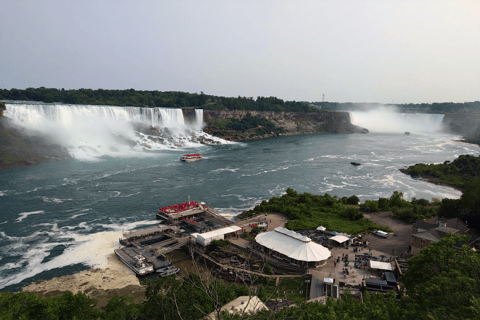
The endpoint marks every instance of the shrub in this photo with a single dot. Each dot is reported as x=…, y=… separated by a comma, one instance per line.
x=353, y=200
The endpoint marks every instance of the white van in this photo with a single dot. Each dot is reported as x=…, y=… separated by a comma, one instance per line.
x=382, y=234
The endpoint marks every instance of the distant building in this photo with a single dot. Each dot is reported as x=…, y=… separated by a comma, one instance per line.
x=292, y=247
x=244, y=305
x=431, y=230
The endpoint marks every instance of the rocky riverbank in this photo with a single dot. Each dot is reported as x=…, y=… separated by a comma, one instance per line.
x=21, y=148
x=465, y=123
x=431, y=179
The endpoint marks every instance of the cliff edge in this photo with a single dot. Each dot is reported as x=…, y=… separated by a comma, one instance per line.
x=465, y=123
x=286, y=123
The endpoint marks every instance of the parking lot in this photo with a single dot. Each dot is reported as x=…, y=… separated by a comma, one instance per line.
x=395, y=245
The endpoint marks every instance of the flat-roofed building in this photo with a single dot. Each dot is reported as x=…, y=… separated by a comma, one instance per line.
x=293, y=247
x=204, y=239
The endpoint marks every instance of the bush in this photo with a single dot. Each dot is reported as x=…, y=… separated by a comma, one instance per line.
x=219, y=243
x=369, y=206
x=353, y=200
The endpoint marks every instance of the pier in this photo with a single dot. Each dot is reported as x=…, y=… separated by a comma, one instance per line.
x=153, y=243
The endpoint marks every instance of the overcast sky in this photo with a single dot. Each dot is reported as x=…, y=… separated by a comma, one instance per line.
x=351, y=51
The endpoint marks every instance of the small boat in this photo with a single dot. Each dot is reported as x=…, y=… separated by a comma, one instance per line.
x=355, y=163
x=407, y=133
x=191, y=157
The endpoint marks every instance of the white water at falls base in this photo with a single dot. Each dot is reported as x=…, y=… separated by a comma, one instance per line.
x=89, y=132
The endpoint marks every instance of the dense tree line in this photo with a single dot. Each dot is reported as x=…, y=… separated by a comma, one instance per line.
x=438, y=108
x=306, y=211
x=442, y=282
x=463, y=172
x=137, y=98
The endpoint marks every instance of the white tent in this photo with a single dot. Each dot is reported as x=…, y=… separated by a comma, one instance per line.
x=321, y=228
x=340, y=238
x=293, y=245
x=381, y=265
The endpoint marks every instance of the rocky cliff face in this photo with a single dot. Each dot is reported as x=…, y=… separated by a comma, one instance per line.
x=465, y=123
x=2, y=108
x=293, y=123
x=18, y=148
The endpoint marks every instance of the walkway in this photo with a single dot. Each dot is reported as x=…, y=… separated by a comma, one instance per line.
x=248, y=271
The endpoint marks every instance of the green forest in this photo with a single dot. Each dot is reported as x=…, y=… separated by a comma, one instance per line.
x=441, y=283
x=168, y=99
x=456, y=173
x=463, y=172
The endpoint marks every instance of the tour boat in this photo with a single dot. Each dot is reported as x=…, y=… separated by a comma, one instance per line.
x=191, y=157
x=137, y=262
x=355, y=163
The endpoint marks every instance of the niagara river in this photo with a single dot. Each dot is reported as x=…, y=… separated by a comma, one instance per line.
x=60, y=217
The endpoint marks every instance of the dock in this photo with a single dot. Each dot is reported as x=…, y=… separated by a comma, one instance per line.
x=153, y=243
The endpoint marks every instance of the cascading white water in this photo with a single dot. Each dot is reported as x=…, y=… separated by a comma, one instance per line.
x=91, y=131
x=387, y=120
x=198, y=118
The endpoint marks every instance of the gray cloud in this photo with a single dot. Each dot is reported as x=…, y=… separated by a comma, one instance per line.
x=406, y=51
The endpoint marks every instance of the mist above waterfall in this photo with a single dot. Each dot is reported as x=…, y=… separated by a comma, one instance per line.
x=89, y=132
x=389, y=120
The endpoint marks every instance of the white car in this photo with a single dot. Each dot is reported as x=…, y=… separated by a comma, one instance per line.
x=382, y=234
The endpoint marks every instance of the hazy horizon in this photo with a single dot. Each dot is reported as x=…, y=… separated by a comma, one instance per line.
x=351, y=51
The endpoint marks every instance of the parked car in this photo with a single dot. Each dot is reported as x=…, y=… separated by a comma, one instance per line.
x=380, y=233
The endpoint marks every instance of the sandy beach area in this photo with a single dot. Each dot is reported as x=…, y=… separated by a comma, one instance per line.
x=108, y=277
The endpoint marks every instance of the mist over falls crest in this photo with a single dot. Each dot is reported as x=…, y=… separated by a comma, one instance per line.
x=92, y=131
x=387, y=120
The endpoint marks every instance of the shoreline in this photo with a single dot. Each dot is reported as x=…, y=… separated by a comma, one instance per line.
x=100, y=284
x=430, y=179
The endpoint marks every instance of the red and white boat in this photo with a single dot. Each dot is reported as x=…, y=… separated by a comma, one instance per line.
x=191, y=157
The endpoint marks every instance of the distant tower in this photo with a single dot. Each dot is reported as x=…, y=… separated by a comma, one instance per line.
x=323, y=98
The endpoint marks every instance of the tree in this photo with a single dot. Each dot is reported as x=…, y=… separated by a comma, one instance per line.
x=443, y=280
x=470, y=201
x=353, y=200
x=121, y=308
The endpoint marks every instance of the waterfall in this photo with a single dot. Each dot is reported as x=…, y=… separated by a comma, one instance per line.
x=199, y=118
x=91, y=131
x=385, y=120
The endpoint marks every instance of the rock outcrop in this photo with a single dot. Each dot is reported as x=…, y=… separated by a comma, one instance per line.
x=465, y=123
x=17, y=148
x=293, y=123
